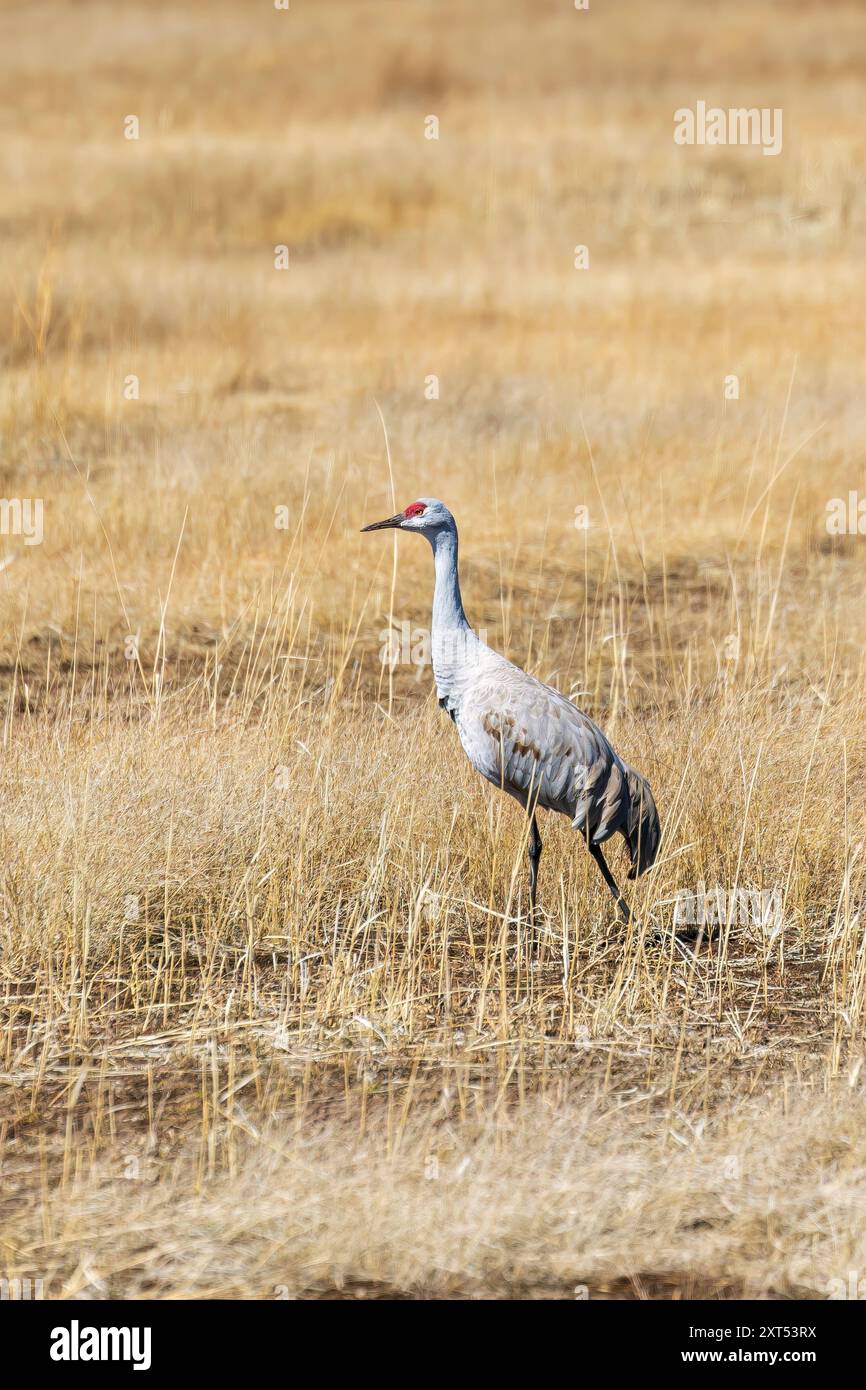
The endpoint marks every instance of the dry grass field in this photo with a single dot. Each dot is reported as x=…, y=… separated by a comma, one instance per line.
x=271, y=1025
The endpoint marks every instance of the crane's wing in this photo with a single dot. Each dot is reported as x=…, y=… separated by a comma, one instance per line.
x=530, y=740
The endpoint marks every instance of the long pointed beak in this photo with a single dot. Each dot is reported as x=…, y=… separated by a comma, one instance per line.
x=394, y=521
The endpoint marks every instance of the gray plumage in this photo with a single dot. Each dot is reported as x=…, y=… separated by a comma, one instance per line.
x=522, y=735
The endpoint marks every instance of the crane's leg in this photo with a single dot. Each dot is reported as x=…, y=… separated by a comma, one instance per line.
x=595, y=851
x=535, y=848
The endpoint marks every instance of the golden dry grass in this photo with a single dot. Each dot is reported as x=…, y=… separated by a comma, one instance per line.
x=271, y=1026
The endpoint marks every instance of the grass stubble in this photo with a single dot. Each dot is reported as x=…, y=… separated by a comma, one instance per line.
x=271, y=1026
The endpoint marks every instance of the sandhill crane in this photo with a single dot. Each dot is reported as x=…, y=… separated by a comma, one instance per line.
x=522, y=735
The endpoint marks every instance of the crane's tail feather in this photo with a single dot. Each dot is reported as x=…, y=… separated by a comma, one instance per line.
x=625, y=804
x=642, y=830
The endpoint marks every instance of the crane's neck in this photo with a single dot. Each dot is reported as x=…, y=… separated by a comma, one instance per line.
x=448, y=615
x=452, y=641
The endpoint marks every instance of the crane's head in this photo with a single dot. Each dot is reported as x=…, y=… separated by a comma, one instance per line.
x=426, y=515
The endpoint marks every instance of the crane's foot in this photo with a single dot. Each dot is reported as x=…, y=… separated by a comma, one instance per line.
x=698, y=936
x=530, y=933
x=533, y=941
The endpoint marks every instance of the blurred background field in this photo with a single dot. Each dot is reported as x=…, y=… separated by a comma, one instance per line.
x=270, y=1018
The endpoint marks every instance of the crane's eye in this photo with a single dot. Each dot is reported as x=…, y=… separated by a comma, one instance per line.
x=415, y=509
